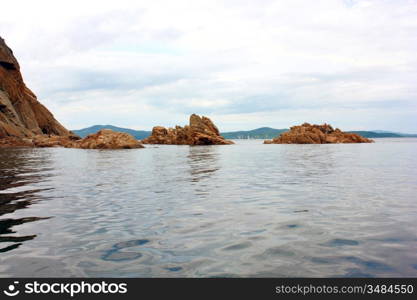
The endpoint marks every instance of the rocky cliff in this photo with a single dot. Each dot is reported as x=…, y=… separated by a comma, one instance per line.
x=316, y=134
x=200, y=131
x=25, y=122
x=21, y=114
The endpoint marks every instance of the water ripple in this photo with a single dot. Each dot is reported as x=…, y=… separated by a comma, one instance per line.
x=236, y=211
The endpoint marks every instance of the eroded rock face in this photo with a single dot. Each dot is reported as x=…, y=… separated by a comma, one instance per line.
x=200, y=131
x=317, y=134
x=21, y=114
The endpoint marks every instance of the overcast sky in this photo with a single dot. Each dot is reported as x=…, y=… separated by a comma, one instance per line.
x=245, y=64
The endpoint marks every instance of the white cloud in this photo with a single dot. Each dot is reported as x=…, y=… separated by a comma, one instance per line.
x=275, y=63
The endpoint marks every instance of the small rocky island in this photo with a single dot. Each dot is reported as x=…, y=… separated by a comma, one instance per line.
x=200, y=131
x=317, y=134
x=25, y=122
x=103, y=139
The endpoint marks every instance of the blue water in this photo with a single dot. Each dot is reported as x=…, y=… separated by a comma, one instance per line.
x=244, y=210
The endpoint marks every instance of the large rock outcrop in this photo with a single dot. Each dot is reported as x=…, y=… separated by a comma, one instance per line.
x=21, y=114
x=316, y=134
x=108, y=139
x=104, y=139
x=200, y=131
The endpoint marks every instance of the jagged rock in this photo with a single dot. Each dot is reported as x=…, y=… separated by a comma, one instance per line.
x=21, y=115
x=104, y=139
x=11, y=141
x=45, y=141
x=316, y=134
x=200, y=131
x=108, y=139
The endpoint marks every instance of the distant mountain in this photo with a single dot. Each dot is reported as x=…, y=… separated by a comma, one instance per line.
x=259, y=133
x=383, y=134
x=408, y=134
x=374, y=134
x=139, y=134
x=396, y=133
x=381, y=131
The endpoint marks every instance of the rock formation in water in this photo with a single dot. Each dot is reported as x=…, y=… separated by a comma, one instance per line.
x=316, y=134
x=21, y=114
x=104, y=139
x=200, y=131
x=25, y=122
x=108, y=139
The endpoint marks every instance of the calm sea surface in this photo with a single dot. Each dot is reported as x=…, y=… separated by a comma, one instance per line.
x=245, y=210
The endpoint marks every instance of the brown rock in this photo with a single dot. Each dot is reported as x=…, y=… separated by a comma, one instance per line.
x=45, y=141
x=317, y=134
x=108, y=139
x=201, y=131
x=21, y=115
x=12, y=141
x=104, y=139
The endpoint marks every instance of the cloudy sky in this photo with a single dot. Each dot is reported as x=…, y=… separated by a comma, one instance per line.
x=245, y=64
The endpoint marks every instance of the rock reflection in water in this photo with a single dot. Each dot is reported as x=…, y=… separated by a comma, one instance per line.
x=203, y=162
x=17, y=171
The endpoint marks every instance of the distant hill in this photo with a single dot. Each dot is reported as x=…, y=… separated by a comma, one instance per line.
x=383, y=134
x=259, y=133
x=373, y=134
x=397, y=133
x=139, y=134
